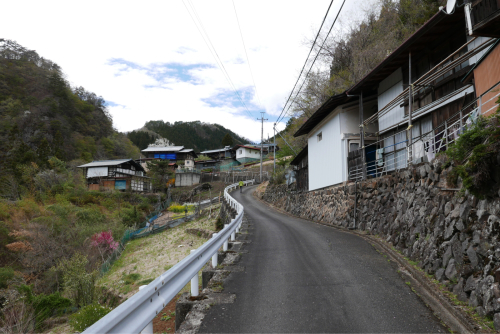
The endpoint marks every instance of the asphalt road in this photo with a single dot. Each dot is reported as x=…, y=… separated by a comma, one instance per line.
x=304, y=277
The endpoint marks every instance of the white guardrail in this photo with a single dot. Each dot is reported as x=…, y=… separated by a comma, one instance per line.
x=136, y=314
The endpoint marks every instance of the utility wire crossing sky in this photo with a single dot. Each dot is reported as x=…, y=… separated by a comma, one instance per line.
x=221, y=61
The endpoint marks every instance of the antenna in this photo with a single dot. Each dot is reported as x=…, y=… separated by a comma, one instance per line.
x=450, y=6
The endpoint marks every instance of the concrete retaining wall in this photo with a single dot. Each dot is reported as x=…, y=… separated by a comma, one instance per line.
x=186, y=179
x=455, y=238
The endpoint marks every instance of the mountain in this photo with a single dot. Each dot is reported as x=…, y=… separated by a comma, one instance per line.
x=196, y=135
x=42, y=116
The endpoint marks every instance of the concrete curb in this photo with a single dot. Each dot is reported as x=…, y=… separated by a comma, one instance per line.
x=447, y=312
x=190, y=313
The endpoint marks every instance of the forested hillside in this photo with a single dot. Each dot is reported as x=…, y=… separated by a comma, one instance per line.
x=350, y=53
x=42, y=116
x=196, y=135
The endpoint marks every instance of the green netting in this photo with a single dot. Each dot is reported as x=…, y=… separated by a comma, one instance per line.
x=130, y=235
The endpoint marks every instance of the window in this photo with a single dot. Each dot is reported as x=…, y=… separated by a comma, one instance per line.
x=319, y=136
x=353, y=147
x=240, y=152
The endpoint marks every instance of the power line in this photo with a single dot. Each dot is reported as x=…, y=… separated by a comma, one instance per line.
x=302, y=70
x=321, y=47
x=246, y=54
x=213, y=51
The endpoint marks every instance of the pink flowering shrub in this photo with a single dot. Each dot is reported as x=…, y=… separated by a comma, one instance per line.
x=104, y=242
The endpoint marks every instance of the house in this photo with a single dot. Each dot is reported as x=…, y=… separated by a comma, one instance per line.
x=245, y=154
x=267, y=148
x=120, y=174
x=172, y=153
x=431, y=63
x=300, y=166
x=222, y=153
x=332, y=132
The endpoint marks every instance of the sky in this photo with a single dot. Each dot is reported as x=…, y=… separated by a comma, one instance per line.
x=149, y=61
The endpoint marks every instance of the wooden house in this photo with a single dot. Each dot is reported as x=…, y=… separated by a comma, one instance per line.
x=120, y=174
x=172, y=153
x=431, y=64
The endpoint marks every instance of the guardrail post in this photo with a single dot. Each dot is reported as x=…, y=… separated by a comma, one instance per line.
x=149, y=327
x=233, y=235
x=214, y=257
x=224, y=247
x=195, y=285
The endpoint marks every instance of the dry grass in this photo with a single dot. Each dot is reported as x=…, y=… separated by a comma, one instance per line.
x=261, y=189
x=151, y=256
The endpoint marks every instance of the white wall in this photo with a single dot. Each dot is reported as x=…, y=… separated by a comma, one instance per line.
x=247, y=153
x=97, y=172
x=325, y=156
x=388, y=89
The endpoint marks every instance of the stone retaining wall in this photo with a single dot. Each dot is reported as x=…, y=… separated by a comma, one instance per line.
x=453, y=237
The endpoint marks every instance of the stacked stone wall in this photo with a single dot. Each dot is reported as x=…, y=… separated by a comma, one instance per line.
x=451, y=236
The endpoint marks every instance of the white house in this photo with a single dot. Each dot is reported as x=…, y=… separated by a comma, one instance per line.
x=332, y=132
x=245, y=154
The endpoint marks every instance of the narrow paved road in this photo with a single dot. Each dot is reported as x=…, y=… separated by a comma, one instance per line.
x=304, y=277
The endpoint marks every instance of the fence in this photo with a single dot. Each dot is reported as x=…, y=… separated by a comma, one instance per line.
x=138, y=312
x=232, y=176
x=425, y=146
x=128, y=235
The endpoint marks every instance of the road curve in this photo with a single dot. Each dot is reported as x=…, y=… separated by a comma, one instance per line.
x=304, y=277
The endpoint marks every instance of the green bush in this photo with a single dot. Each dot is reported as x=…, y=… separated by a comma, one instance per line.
x=90, y=216
x=45, y=306
x=6, y=274
x=87, y=316
x=131, y=216
x=474, y=156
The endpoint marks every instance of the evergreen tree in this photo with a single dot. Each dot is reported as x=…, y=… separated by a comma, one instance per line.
x=227, y=140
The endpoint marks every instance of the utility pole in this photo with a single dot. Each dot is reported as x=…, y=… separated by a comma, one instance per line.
x=274, y=149
x=261, y=141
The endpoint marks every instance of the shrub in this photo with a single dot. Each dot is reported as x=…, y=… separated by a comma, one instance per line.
x=45, y=306
x=474, y=156
x=278, y=177
x=131, y=216
x=78, y=283
x=6, y=274
x=87, y=316
x=90, y=216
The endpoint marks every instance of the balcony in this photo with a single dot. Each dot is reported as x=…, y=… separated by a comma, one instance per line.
x=485, y=18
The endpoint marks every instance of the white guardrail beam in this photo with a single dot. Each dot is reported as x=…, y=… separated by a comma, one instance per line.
x=133, y=315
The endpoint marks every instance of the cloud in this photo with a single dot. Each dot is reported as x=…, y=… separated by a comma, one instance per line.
x=149, y=62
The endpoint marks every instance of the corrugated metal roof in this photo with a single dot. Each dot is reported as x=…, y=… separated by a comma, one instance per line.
x=164, y=149
x=186, y=150
x=105, y=163
x=250, y=147
x=219, y=150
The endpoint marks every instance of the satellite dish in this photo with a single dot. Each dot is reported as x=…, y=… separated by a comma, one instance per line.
x=450, y=6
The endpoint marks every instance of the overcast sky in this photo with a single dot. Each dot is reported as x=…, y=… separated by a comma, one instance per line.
x=149, y=62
